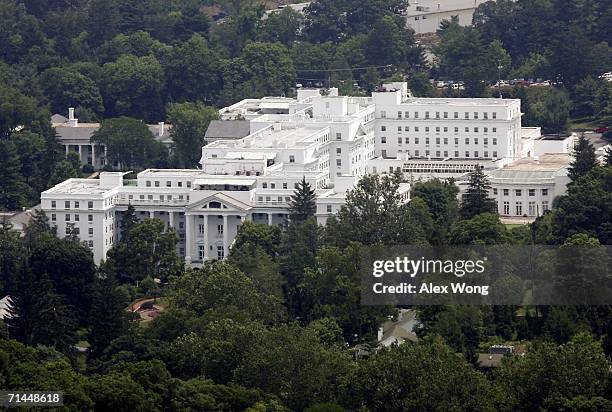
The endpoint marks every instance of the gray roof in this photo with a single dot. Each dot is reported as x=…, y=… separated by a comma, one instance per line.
x=58, y=118
x=84, y=131
x=228, y=129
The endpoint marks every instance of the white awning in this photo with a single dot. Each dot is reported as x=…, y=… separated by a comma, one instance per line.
x=222, y=180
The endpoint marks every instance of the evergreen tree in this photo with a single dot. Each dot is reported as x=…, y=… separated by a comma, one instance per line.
x=128, y=221
x=107, y=317
x=584, y=159
x=13, y=188
x=476, y=198
x=608, y=157
x=302, y=204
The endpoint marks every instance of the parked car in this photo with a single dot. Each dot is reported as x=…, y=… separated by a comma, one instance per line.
x=602, y=129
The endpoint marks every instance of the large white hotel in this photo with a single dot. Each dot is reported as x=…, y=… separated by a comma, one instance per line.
x=330, y=141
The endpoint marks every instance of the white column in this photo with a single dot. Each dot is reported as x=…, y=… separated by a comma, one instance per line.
x=188, y=241
x=105, y=155
x=67, y=149
x=93, y=155
x=80, y=152
x=225, y=234
x=170, y=219
x=151, y=214
x=206, y=237
x=269, y=219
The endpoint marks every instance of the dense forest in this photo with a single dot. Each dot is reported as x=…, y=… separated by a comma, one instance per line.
x=273, y=327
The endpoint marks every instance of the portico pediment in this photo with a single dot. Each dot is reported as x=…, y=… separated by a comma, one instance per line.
x=219, y=202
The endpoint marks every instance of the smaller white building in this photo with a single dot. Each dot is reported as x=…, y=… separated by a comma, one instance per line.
x=425, y=16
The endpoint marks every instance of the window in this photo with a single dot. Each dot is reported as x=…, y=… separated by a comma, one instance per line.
x=518, y=192
x=486, y=154
x=437, y=130
x=456, y=130
x=494, y=114
x=437, y=153
x=338, y=136
x=90, y=205
x=467, y=129
x=168, y=183
x=416, y=128
x=475, y=130
x=416, y=153
x=220, y=252
x=157, y=183
x=272, y=185
x=427, y=153
x=426, y=129
x=467, y=115
x=446, y=153
x=519, y=208
x=406, y=128
x=219, y=230
x=544, y=192
x=545, y=206
x=427, y=140
x=494, y=129
x=53, y=204
x=475, y=153
x=495, y=191
x=445, y=129
x=264, y=185
x=407, y=140
x=475, y=140
x=383, y=140
x=77, y=218
x=291, y=159
x=406, y=114
x=446, y=140
x=399, y=140
x=486, y=130
x=67, y=230
x=416, y=140
x=506, y=192
x=90, y=218
x=90, y=231
x=188, y=184
x=416, y=115
x=399, y=115
x=90, y=243
x=427, y=115
x=532, y=208
x=180, y=184
x=467, y=154
x=399, y=129
x=76, y=204
x=201, y=252
x=53, y=217
x=446, y=115
x=506, y=208
x=67, y=204
x=486, y=141
x=456, y=153
x=486, y=115
x=467, y=140
x=67, y=217
x=285, y=185
x=495, y=154
x=475, y=115
x=456, y=141
x=383, y=128
x=383, y=114
x=338, y=162
x=201, y=228
x=531, y=192
x=148, y=184
x=456, y=115
x=329, y=208
x=437, y=140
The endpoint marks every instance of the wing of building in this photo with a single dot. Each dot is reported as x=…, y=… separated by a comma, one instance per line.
x=250, y=169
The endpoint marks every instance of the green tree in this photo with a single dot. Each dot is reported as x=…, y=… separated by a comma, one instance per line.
x=107, y=319
x=13, y=189
x=551, y=110
x=64, y=170
x=483, y=229
x=134, y=86
x=129, y=142
x=420, y=86
x=67, y=87
x=148, y=250
x=189, y=123
x=128, y=221
x=283, y=27
x=476, y=198
x=302, y=205
x=584, y=159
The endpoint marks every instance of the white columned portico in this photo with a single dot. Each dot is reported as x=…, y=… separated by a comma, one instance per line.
x=225, y=237
x=188, y=239
x=206, y=237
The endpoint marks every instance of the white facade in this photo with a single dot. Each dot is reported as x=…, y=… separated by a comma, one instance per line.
x=425, y=16
x=329, y=140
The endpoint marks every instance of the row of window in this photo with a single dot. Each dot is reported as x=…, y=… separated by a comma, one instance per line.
x=383, y=128
x=157, y=183
x=519, y=192
x=444, y=154
x=273, y=185
x=67, y=217
x=77, y=204
x=445, y=115
x=518, y=208
x=475, y=140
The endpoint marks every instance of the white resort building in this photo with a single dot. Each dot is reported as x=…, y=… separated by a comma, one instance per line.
x=329, y=140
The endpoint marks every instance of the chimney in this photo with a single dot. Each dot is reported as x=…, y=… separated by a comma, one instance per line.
x=71, y=119
x=161, y=128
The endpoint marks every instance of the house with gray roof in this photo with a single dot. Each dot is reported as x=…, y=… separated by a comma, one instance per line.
x=227, y=130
